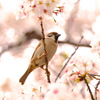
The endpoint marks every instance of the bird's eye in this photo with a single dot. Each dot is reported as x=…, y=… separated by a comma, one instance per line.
x=49, y=35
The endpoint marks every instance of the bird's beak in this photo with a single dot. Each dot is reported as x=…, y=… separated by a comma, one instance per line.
x=58, y=35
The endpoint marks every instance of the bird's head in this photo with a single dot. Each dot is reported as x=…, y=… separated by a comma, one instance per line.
x=53, y=35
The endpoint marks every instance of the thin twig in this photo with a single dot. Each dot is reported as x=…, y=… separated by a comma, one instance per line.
x=89, y=88
x=96, y=89
x=68, y=60
x=93, y=75
x=46, y=60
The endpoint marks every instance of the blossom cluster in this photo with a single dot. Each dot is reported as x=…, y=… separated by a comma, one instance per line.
x=77, y=68
x=39, y=8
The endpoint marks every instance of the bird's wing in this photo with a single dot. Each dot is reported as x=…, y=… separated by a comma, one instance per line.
x=36, y=48
x=42, y=53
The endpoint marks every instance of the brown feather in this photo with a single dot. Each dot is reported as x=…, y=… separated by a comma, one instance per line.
x=36, y=49
x=38, y=57
x=25, y=75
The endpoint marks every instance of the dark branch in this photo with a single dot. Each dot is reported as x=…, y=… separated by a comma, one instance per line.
x=74, y=44
x=46, y=60
x=96, y=89
x=95, y=77
x=89, y=88
x=68, y=60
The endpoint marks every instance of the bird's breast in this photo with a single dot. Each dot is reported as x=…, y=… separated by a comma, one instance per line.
x=51, y=48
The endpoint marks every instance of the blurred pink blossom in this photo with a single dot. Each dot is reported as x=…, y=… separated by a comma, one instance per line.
x=96, y=44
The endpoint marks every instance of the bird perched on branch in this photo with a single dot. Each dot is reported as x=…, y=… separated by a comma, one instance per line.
x=38, y=57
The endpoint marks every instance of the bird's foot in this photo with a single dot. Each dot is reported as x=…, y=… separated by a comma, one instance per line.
x=48, y=73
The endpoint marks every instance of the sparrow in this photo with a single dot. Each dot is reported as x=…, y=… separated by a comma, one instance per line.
x=38, y=57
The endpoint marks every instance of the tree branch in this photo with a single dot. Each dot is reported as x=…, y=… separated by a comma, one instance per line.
x=98, y=83
x=96, y=89
x=74, y=44
x=46, y=60
x=88, y=88
x=68, y=60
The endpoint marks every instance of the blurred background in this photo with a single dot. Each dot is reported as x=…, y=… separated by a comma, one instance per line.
x=19, y=37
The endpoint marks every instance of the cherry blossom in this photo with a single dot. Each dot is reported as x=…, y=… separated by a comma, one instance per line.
x=56, y=91
x=39, y=8
x=96, y=44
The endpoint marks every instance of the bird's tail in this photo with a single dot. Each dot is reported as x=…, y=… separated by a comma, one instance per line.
x=25, y=75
